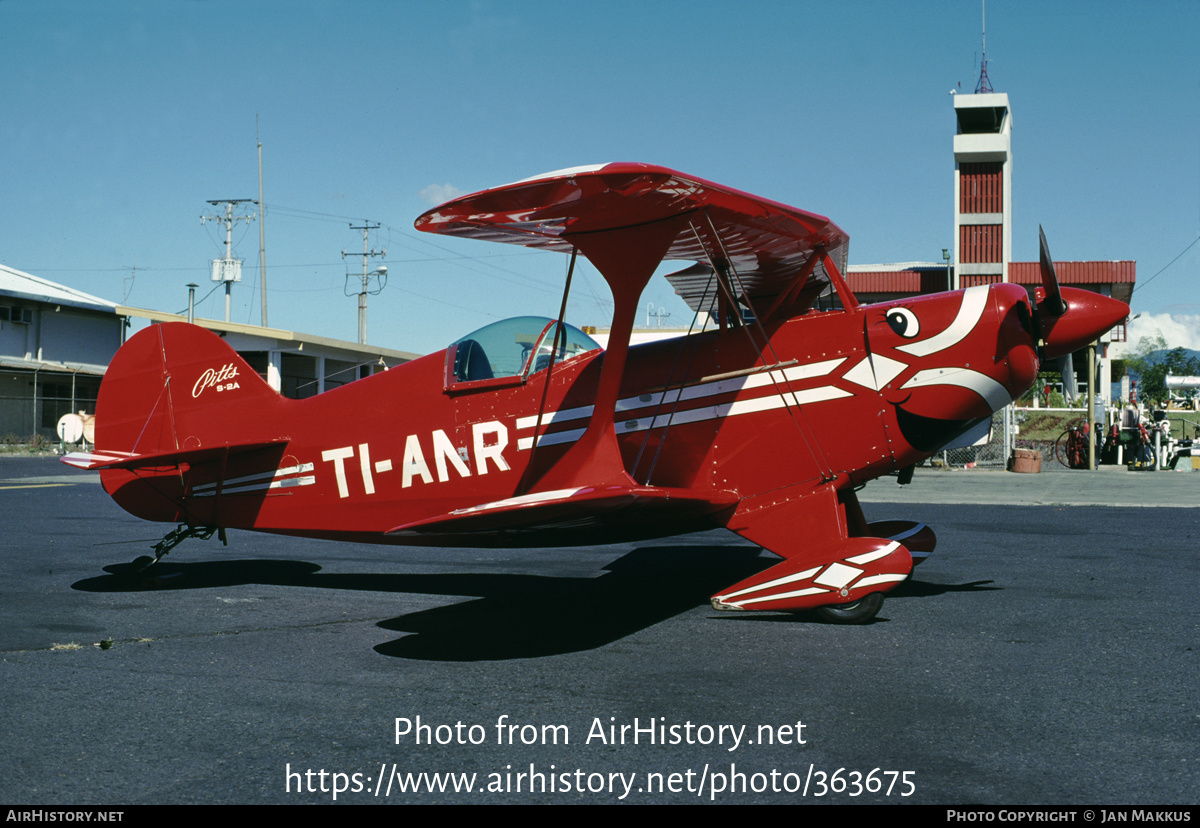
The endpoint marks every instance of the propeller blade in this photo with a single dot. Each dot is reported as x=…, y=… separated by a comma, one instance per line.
x=1053, y=304
x=1061, y=333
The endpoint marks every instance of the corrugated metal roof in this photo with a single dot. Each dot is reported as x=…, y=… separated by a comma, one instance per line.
x=902, y=281
x=278, y=335
x=1076, y=273
x=892, y=267
x=12, y=363
x=26, y=286
x=921, y=277
x=908, y=277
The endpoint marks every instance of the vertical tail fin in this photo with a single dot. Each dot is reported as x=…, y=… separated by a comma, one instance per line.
x=178, y=408
x=176, y=387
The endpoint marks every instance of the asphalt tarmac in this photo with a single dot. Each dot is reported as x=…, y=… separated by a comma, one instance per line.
x=1046, y=654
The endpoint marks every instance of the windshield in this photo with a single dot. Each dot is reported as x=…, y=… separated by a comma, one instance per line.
x=515, y=347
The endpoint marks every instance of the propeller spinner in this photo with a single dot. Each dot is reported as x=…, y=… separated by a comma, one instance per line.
x=1067, y=319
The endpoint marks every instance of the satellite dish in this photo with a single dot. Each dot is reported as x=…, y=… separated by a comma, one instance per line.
x=70, y=428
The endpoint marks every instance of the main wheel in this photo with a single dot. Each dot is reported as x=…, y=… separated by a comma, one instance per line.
x=856, y=612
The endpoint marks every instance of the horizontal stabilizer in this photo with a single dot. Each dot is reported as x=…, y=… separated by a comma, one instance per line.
x=571, y=508
x=97, y=461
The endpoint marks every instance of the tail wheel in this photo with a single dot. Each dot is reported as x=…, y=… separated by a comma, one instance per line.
x=856, y=612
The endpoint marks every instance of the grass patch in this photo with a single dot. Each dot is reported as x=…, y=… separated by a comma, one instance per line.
x=1045, y=426
x=1185, y=425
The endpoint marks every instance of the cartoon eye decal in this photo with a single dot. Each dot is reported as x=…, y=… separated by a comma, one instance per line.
x=904, y=322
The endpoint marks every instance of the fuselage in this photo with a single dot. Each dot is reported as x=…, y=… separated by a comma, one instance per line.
x=841, y=396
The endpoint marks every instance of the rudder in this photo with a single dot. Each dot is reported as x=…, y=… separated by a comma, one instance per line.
x=176, y=387
x=179, y=408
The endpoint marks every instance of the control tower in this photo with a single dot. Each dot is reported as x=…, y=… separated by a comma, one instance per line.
x=982, y=188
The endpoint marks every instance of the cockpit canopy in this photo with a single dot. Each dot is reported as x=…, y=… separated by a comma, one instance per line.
x=512, y=350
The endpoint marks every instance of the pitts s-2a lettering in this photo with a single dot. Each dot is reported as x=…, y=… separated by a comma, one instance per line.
x=526, y=433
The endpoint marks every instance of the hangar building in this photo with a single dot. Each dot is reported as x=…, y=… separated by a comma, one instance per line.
x=56, y=343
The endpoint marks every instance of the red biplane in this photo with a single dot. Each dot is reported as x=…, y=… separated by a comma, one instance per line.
x=527, y=433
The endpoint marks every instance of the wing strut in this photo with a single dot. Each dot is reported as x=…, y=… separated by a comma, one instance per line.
x=722, y=269
x=524, y=486
x=794, y=409
x=626, y=257
x=785, y=298
x=667, y=386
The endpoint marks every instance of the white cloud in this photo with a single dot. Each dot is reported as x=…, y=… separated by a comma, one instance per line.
x=1180, y=330
x=440, y=193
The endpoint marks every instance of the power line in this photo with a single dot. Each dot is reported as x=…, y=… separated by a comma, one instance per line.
x=1168, y=264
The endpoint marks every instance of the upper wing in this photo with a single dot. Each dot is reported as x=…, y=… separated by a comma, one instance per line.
x=766, y=243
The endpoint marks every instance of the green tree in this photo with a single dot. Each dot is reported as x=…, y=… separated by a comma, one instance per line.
x=1176, y=362
x=1141, y=359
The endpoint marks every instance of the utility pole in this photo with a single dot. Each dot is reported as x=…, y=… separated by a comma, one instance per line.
x=228, y=269
x=127, y=290
x=659, y=314
x=381, y=271
x=262, y=229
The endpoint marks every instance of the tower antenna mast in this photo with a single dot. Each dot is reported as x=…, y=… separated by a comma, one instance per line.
x=984, y=87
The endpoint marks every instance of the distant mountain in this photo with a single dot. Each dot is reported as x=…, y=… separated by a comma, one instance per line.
x=1154, y=375
x=1156, y=357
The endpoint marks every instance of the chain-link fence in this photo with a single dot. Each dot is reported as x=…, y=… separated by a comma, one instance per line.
x=993, y=451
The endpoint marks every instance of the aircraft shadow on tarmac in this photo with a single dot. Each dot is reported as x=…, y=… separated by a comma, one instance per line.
x=514, y=615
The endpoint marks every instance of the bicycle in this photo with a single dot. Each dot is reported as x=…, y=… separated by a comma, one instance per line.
x=1071, y=447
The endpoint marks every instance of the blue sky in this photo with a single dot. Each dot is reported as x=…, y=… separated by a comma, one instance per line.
x=120, y=120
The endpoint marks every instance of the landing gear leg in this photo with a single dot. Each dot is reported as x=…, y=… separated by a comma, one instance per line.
x=172, y=539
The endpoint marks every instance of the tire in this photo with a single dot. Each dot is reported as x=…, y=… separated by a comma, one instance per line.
x=1060, y=449
x=856, y=612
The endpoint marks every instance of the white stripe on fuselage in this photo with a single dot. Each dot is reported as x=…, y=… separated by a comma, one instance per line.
x=993, y=393
x=692, y=392
x=974, y=300
x=697, y=391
